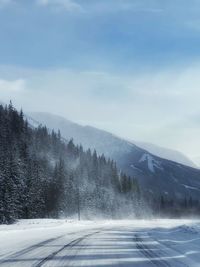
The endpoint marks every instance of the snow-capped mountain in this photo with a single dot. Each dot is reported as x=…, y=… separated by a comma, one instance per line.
x=155, y=175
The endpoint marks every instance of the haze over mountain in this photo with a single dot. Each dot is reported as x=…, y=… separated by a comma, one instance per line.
x=196, y=160
x=73, y=130
x=155, y=175
x=166, y=153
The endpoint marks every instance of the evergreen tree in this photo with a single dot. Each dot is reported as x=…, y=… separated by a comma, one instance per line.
x=42, y=175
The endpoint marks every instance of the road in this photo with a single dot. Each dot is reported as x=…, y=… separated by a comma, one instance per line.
x=104, y=245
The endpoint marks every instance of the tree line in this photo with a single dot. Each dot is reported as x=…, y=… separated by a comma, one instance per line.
x=43, y=175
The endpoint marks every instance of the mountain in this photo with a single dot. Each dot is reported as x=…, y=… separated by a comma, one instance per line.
x=166, y=153
x=156, y=176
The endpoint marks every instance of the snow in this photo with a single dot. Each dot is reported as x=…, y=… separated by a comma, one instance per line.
x=190, y=187
x=143, y=243
x=151, y=162
x=166, y=153
x=185, y=239
x=135, y=168
x=28, y=232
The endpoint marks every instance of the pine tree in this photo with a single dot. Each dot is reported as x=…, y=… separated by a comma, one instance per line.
x=42, y=175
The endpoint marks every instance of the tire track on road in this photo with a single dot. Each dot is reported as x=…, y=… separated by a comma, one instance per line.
x=68, y=245
x=149, y=253
x=29, y=249
x=155, y=258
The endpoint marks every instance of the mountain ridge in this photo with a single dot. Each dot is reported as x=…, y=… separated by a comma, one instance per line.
x=149, y=147
x=155, y=175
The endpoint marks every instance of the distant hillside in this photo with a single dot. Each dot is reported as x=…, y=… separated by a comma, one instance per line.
x=156, y=176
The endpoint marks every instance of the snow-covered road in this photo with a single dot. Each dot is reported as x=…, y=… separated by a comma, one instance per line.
x=141, y=243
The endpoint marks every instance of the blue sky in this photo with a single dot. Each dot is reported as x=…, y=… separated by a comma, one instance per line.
x=101, y=34
x=133, y=63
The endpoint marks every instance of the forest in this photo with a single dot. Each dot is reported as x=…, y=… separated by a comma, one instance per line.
x=44, y=176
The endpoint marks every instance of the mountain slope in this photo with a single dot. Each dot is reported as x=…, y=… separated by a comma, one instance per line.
x=166, y=153
x=155, y=175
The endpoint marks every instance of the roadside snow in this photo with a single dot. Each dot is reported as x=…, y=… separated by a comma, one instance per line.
x=26, y=233
x=176, y=242
x=184, y=239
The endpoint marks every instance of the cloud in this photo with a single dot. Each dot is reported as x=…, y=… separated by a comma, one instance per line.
x=67, y=5
x=102, y=7
x=161, y=107
x=141, y=6
x=193, y=24
x=12, y=86
x=12, y=89
x=15, y=89
x=4, y=3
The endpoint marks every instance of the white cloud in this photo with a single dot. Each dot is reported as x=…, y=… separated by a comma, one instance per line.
x=156, y=107
x=12, y=89
x=68, y=5
x=193, y=24
x=4, y=3
x=12, y=86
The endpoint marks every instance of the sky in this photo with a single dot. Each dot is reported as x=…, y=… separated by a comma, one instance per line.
x=131, y=67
